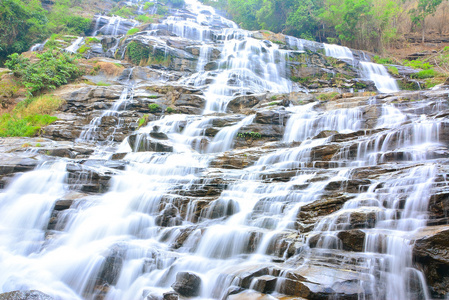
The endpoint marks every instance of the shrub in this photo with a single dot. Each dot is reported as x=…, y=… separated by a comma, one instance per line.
x=249, y=136
x=169, y=110
x=424, y=74
x=154, y=107
x=327, y=96
x=143, y=121
x=28, y=126
x=52, y=70
x=145, y=19
x=393, y=70
x=148, y=5
x=137, y=52
x=383, y=60
x=417, y=64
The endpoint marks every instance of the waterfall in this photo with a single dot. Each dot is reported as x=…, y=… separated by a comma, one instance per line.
x=330, y=204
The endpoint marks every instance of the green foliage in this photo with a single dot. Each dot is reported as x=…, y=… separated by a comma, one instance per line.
x=11, y=125
x=84, y=48
x=143, y=121
x=249, y=136
x=92, y=40
x=417, y=64
x=147, y=5
x=50, y=71
x=418, y=15
x=154, y=107
x=393, y=70
x=133, y=31
x=162, y=10
x=382, y=60
x=101, y=83
x=327, y=96
x=169, y=110
x=144, y=18
x=137, y=52
x=24, y=22
x=424, y=74
x=124, y=11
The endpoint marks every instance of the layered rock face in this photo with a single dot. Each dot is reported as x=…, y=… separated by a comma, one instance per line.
x=214, y=175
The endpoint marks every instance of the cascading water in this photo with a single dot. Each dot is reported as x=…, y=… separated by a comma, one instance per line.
x=379, y=74
x=363, y=168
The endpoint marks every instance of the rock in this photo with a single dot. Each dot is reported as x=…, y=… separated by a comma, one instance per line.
x=247, y=277
x=431, y=253
x=293, y=288
x=276, y=117
x=187, y=284
x=25, y=295
x=265, y=284
x=146, y=143
x=239, y=103
x=170, y=296
x=352, y=240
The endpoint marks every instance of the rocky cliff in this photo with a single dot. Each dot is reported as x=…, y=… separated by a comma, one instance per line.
x=228, y=165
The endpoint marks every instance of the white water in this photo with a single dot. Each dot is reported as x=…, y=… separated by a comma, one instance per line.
x=337, y=51
x=75, y=45
x=244, y=225
x=379, y=74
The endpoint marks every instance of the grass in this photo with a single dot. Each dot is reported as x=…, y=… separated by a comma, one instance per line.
x=393, y=70
x=169, y=110
x=29, y=116
x=430, y=73
x=102, y=83
x=133, y=31
x=327, y=96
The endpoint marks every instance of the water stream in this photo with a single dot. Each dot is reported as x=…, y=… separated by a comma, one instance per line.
x=165, y=213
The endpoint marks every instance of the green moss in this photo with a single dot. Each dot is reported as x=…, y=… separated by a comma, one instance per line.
x=133, y=31
x=137, y=52
x=101, y=83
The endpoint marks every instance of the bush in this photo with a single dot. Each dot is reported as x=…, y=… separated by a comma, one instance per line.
x=417, y=64
x=393, y=70
x=137, y=52
x=327, y=96
x=249, y=136
x=52, y=70
x=154, y=107
x=424, y=74
x=383, y=60
x=28, y=126
x=169, y=110
x=145, y=19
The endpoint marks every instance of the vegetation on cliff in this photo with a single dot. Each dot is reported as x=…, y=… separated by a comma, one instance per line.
x=24, y=22
x=360, y=24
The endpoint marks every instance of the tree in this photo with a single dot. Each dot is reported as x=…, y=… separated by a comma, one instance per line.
x=418, y=15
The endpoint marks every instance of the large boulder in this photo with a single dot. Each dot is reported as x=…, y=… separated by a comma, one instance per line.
x=431, y=254
x=239, y=103
x=187, y=284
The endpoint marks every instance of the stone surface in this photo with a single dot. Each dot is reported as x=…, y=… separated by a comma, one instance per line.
x=25, y=295
x=187, y=284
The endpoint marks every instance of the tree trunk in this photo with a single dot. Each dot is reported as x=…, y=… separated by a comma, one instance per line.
x=423, y=29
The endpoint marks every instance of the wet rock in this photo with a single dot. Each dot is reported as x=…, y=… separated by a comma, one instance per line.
x=294, y=288
x=247, y=277
x=431, y=253
x=276, y=117
x=265, y=284
x=168, y=217
x=170, y=296
x=352, y=240
x=325, y=134
x=25, y=295
x=144, y=142
x=239, y=103
x=187, y=284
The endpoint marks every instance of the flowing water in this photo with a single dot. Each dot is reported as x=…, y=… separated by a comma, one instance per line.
x=172, y=212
